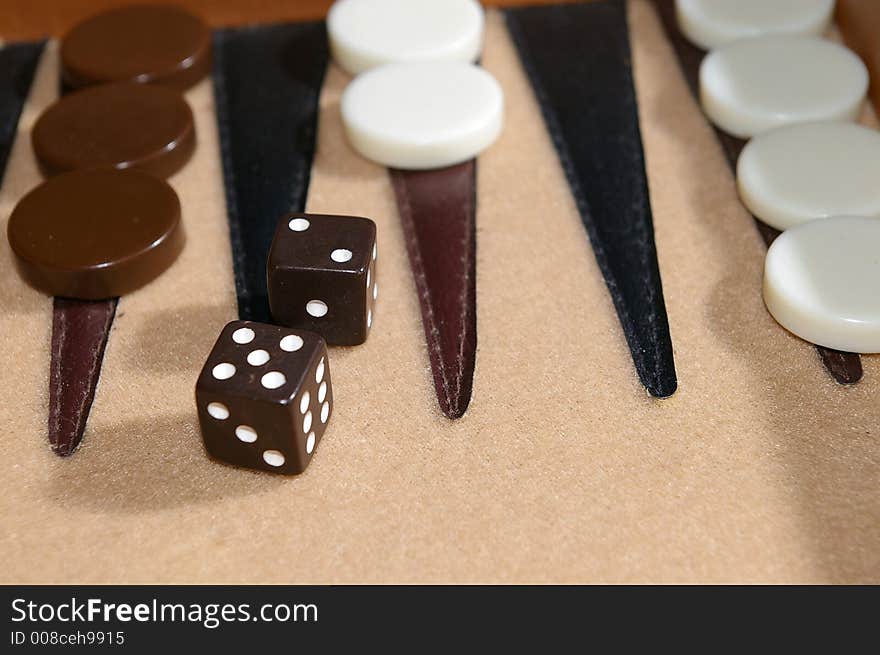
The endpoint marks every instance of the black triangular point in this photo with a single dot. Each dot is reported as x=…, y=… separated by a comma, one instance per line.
x=578, y=59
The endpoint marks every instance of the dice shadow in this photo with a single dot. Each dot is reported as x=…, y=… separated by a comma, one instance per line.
x=178, y=339
x=148, y=465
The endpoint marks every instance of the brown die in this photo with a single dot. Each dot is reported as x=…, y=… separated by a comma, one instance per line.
x=264, y=397
x=321, y=275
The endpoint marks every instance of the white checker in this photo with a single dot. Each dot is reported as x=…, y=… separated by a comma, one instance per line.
x=713, y=23
x=421, y=116
x=223, y=371
x=812, y=170
x=273, y=458
x=246, y=433
x=218, y=411
x=820, y=282
x=752, y=86
x=291, y=343
x=368, y=33
x=243, y=336
x=257, y=357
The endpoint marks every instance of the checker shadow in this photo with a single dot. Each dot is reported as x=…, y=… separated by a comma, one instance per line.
x=333, y=157
x=149, y=465
x=821, y=431
x=16, y=297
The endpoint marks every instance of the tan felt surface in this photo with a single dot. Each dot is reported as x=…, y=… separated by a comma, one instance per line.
x=760, y=469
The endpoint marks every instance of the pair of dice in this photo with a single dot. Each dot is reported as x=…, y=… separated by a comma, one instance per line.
x=264, y=395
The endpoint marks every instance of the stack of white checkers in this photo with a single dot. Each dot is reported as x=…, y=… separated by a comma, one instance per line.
x=808, y=170
x=418, y=101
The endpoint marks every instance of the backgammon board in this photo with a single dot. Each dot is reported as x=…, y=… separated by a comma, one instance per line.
x=761, y=467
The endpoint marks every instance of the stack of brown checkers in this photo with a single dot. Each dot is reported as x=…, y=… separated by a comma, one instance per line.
x=151, y=43
x=96, y=234
x=108, y=223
